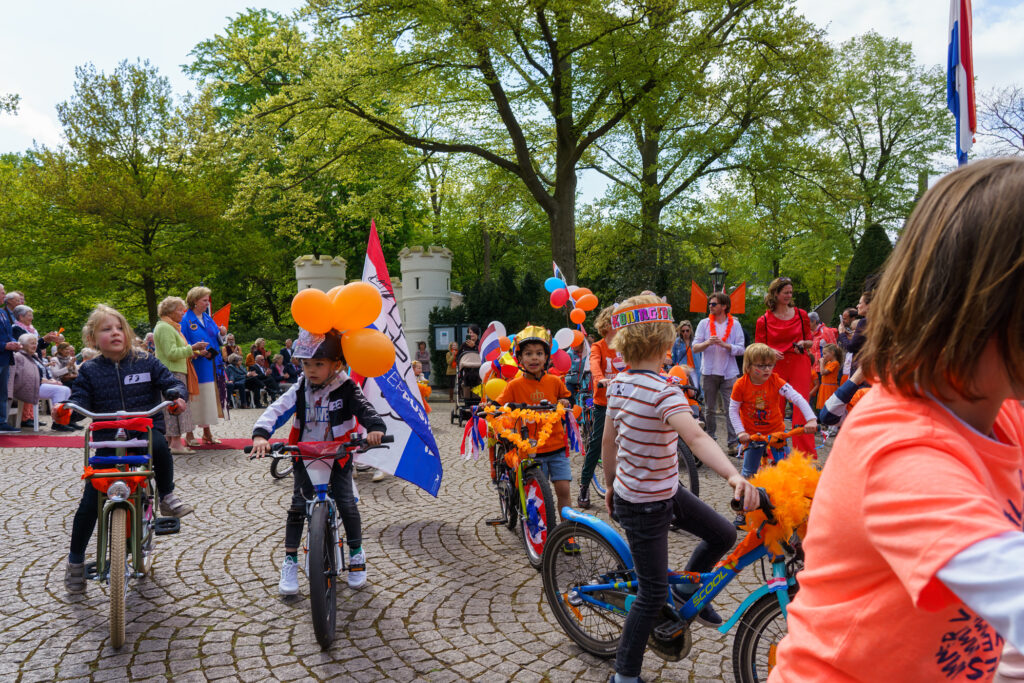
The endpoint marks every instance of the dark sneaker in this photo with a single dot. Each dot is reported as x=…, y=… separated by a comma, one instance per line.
x=709, y=617
x=583, y=502
x=740, y=520
x=733, y=450
x=4, y=427
x=571, y=547
x=62, y=428
x=74, y=577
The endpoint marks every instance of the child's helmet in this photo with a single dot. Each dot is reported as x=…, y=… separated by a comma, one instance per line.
x=533, y=333
x=310, y=346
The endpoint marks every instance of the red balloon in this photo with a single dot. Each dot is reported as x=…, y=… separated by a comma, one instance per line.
x=587, y=302
x=577, y=316
x=559, y=297
x=509, y=371
x=561, y=361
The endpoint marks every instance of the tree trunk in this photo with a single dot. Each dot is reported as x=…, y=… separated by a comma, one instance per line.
x=149, y=289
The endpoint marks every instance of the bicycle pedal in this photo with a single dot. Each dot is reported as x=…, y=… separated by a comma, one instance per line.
x=497, y=521
x=669, y=629
x=90, y=571
x=166, y=525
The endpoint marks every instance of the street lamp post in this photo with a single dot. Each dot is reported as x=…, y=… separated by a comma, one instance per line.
x=717, y=278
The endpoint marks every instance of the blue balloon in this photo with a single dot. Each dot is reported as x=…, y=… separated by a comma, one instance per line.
x=554, y=347
x=554, y=283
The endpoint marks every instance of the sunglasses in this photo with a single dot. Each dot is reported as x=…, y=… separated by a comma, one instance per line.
x=713, y=303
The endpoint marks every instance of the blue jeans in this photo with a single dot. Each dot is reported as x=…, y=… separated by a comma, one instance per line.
x=646, y=527
x=753, y=453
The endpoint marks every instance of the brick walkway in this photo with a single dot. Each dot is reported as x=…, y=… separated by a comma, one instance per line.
x=449, y=598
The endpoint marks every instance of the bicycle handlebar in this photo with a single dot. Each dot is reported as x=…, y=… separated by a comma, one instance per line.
x=119, y=415
x=780, y=437
x=343, y=447
x=765, y=505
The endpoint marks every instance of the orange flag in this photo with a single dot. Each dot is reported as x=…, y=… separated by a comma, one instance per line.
x=698, y=299
x=739, y=300
x=222, y=316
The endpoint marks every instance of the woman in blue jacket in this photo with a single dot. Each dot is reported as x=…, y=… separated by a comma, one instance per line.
x=197, y=325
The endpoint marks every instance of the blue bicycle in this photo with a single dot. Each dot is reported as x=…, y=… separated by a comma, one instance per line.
x=590, y=591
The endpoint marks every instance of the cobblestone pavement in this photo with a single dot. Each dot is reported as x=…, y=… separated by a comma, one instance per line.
x=448, y=599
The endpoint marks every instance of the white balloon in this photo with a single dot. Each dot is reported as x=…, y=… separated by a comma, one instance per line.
x=485, y=370
x=571, y=288
x=564, y=338
x=499, y=328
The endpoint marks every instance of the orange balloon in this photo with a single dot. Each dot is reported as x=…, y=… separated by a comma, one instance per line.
x=333, y=291
x=577, y=337
x=357, y=305
x=587, y=302
x=678, y=371
x=577, y=316
x=581, y=292
x=505, y=343
x=368, y=352
x=312, y=311
x=577, y=411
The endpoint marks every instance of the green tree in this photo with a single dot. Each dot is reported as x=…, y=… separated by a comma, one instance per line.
x=872, y=251
x=143, y=221
x=883, y=118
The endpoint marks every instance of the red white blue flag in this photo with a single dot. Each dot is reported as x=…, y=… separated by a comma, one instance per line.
x=395, y=396
x=490, y=341
x=960, y=77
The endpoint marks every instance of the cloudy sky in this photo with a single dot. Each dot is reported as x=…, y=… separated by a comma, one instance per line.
x=42, y=42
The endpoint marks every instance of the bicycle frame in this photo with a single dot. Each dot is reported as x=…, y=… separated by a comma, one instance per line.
x=712, y=583
x=319, y=471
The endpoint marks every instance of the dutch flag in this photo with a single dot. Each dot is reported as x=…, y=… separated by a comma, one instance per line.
x=960, y=77
x=490, y=341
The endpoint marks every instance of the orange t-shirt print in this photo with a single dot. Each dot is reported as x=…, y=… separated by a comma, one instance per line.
x=759, y=404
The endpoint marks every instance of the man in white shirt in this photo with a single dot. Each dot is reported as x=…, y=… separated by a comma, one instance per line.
x=720, y=338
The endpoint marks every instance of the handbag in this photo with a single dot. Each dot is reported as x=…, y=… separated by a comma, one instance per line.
x=191, y=378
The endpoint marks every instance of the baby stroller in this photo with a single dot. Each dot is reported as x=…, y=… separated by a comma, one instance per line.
x=467, y=378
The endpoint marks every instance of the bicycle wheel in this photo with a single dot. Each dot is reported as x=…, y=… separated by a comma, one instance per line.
x=322, y=575
x=117, y=573
x=281, y=467
x=148, y=529
x=595, y=629
x=688, y=476
x=539, y=516
x=758, y=634
x=507, y=493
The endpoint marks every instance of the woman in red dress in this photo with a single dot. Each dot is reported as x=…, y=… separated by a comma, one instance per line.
x=787, y=329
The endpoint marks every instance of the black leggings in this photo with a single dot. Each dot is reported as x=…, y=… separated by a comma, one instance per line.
x=88, y=510
x=344, y=495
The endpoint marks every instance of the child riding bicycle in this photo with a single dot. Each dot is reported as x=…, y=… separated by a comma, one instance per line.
x=535, y=384
x=328, y=406
x=647, y=414
x=120, y=378
x=914, y=567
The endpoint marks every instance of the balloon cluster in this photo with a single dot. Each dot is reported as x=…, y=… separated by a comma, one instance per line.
x=349, y=309
x=582, y=299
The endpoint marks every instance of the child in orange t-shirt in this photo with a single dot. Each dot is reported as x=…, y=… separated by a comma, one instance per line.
x=755, y=407
x=914, y=567
x=533, y=385
x=828, y=367
x=605, y=364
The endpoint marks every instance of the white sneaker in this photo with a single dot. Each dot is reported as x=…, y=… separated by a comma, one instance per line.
x=379, y=475
x=357, y=569
x=289, y=584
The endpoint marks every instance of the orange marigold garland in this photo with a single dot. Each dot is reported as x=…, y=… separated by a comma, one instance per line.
x=502, y=419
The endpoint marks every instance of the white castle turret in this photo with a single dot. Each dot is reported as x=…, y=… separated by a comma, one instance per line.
x=321, y=273
x=425, y=285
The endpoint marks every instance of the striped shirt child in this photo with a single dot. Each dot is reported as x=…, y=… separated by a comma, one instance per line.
x=640, y=402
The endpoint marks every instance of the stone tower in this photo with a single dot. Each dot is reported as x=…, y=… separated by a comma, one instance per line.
x=425, y=284
x=323, y=273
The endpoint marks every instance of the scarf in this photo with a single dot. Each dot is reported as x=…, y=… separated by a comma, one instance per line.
x=728, y=327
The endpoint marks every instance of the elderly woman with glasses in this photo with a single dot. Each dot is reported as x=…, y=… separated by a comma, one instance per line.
x=787, y=330
x=719, y=339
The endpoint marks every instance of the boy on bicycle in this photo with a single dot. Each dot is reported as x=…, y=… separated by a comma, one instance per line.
x=328, y=406
x=646, y=416
x=533, y=385
x=754, y=408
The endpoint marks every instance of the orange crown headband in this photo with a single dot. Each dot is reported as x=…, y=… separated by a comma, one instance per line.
x=647, y=313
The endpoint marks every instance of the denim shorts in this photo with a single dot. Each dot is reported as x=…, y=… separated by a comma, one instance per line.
x=555, y=466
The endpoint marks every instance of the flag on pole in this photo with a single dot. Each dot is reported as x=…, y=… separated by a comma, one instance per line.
x=557, y=271
x=222, y=316
x=490, y=341
x=395, y=396
x=960, y=77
